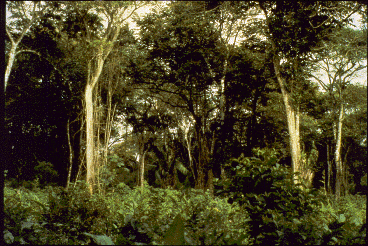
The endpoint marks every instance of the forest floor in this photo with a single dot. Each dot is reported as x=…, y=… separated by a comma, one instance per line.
x=165, y=216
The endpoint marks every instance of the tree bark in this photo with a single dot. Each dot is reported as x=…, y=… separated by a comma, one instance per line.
x=10, y=63
x=339, y=168
x=102, y=52
x=90, y=144
x=222, y=92
x=70, y=155
x=292, y=116
x=141, y=178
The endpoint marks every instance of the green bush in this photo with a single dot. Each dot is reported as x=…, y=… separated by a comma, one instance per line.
x=22, y=211
x=45, y=173
x=278, y=210
x=345, y=219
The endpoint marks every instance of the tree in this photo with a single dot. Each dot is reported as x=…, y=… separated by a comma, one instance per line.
x=39, y=100
x=184, y=66
x=25, y=14
x=290, y=40
x=188, y=64
x=341, y=57
x=100, y=46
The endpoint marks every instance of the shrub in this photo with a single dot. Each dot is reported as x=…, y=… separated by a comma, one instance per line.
x=275, y=206
x=45, y=173
x=22, y=211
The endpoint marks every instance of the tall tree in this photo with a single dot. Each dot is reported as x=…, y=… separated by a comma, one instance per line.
x=340, y=59
x=180, y=45
x=293, y=28
x=100, y=45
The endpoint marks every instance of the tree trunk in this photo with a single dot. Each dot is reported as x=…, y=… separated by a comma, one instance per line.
x=10, y=63
x=93, y=76
x=15, y=42
x=141, y=172
x=200, y=180
x=209, y=185
x=70, y=155
x=141, y=158
x=186, y=129
x=345, y=184
x=222, y=93
x=329, y=172
x=90, y=144
x=292, y=116
x=339, y=169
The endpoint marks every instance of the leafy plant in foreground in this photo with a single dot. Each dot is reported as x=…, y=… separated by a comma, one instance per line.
x=275, y=206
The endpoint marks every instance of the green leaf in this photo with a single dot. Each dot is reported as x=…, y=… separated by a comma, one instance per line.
x=341, y=218
x=239, y=240
x=100, y=239
x=175, y=234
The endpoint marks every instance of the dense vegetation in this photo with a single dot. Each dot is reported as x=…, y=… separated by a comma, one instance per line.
x=206, y=123
x=247, y=213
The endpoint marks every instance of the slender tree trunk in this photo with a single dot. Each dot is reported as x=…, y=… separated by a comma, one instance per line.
x=222, y=91
x=345, y=184
x=9, y=66
x=330, y=171
x=200, y=179
x=70, y=155
x=141, y=178
x=292, y=113
x=97, y=125
x=189, y=149
x=140, y=159
x=188, y=142
x=339, y=168
x=93, y=76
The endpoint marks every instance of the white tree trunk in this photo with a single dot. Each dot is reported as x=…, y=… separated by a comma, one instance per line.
x=292, y=116
x=339, y=169
x=141, y=179
x=9, y=66
x=90, y=137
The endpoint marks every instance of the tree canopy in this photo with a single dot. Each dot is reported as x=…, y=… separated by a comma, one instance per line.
x=193, y=86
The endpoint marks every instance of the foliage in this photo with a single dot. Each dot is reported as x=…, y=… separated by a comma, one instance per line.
x=136, y=216
x=281, y=213
x=165, y=216
x=346, y=219
x=46, y=174
x=179, y=65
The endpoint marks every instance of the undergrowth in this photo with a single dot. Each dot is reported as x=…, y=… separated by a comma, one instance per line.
x=256, y=205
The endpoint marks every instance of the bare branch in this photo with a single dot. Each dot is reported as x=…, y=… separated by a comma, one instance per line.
x=10, y=36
